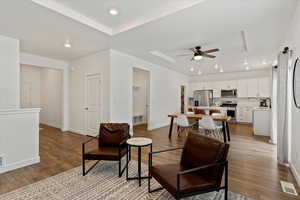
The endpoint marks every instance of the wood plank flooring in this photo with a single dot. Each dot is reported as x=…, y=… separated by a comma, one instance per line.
x=253, y=170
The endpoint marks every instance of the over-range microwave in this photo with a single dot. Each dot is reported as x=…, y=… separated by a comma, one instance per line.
x=229, y=93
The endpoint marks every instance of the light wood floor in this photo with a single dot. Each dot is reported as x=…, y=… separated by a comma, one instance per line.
x=253, y=170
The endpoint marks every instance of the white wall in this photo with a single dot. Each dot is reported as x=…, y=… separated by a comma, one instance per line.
x=9, y=73
x=19, y=138
x=45, y=62
x=232, y=75
x=45, y=92
x=19, y=128
x=95, y=63
x=51, y=97
x=164, y=89
x=292, y=40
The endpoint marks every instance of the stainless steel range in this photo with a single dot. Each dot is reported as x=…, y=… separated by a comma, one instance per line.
x=230, y=109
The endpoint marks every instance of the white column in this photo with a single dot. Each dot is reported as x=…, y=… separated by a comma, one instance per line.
x=65, y=113
x=9, y=73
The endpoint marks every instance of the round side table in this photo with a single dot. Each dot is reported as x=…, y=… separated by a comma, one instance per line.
x=138, y=142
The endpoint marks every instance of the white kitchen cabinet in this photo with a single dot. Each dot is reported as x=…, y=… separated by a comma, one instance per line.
x=242, y=88
x=229, y=85
x=264, y=87
x=216, y=87
x=244, y=114
x=253, y=88
x=262, y=122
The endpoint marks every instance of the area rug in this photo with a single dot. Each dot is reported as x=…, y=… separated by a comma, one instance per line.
x=100, y=183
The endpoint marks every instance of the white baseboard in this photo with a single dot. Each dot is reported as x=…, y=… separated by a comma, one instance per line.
x=76, y=131
x=295, y=173
x=157, y=126
x=19, y=164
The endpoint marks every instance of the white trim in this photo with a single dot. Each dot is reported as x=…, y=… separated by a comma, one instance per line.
x=68, y=12
x=19, y=164
x=76, y=131
x=41, y=61
x=19, y=111
x=157, y=126
x=295, y=173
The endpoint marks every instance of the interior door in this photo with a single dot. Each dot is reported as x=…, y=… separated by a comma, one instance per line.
x=92, y=104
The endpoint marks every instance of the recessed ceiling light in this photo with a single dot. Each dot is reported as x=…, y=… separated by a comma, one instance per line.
x=216, y=66
x=67, y=44
x=221, y=70
x=247, y=68
x=113, y=11
x=197, y=57
x=192, y=69
x=264, y=62
x=199, y=72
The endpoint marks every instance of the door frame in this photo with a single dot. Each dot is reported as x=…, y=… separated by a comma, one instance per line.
x=85, y=99
x=148, y=95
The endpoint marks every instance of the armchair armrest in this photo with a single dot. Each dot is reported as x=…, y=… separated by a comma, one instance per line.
x=86, y=142
x=166, y=150
x=225, y=163
x=202, y=167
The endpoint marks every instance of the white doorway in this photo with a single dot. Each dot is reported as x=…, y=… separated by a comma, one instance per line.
x=141, y=97
x=92, y=104
x=42, y=87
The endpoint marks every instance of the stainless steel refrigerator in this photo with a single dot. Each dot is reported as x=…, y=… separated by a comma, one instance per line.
x=203, y=98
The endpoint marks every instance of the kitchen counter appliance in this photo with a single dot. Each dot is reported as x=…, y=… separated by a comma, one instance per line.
x=230, y=109
x=203, y=98
x=229, y=93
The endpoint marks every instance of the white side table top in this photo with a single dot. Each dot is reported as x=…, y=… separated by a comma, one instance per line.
x=139, y=141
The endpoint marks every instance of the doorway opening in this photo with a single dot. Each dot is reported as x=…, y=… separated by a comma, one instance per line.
x=141, y=98
x=42, y=87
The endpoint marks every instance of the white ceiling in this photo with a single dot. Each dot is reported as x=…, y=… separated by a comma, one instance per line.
x=44, y=32
x=168, y=27
x=132, y=13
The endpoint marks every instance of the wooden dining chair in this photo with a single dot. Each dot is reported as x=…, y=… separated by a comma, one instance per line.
x=214, y=111
x=199, y=111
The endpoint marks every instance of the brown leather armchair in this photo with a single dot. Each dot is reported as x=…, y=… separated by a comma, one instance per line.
x=200, y=170
x=111, y=145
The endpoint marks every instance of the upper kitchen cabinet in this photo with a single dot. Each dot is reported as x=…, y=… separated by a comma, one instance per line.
x=253, y=88
x=242, y=88
x=229, y=85
x=216, y=87
x=264, y=87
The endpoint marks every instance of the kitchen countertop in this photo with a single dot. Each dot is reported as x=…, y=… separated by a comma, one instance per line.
x=209, y=107
x=262, y=108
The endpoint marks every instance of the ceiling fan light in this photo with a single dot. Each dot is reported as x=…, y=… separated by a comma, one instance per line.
x=197, y=57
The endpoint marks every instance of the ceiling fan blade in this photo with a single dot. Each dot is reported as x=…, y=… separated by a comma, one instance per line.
x=207, y=55
x=211, y=51
x=193, y=50
x=183, y=55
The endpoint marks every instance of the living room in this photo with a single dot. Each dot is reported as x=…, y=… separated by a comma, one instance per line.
x=69, y=70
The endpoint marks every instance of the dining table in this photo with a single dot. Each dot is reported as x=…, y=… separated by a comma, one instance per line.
x=218, y=118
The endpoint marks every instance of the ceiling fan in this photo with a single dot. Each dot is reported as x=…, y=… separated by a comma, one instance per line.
x=198, y=54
